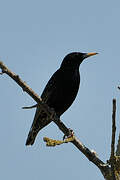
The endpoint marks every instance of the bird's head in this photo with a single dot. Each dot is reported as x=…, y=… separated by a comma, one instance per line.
x=74, y=59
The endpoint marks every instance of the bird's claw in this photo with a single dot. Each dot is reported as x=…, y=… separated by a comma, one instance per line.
x=71, y=134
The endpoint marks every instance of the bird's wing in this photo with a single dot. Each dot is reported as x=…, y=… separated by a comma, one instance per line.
x=41, y=119
x=51, y=87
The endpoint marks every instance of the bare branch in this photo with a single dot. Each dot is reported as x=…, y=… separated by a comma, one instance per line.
x=21, y=83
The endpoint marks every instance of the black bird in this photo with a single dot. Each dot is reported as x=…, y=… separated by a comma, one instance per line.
x=60, y=91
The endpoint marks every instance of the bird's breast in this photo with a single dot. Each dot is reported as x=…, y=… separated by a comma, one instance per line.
x=68, y=89
x=70, y=85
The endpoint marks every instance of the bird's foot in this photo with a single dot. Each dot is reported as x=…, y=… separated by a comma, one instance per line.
x=70, y=137
x=71, y=134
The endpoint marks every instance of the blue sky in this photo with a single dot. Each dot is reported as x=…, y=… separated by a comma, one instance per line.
x=34, y=38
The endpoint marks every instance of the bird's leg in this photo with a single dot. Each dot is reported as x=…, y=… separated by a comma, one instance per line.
x=66, y=139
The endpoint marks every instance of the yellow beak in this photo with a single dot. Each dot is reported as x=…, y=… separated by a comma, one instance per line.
x=90, y=54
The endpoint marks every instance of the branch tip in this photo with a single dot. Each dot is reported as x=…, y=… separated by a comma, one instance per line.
x=30, y=107
x=52, y=142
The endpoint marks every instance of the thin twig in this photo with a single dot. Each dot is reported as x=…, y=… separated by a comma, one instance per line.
x=104, y=168
x=118, y=147
x=113, y=128
x=30, y=107
x=112, y=157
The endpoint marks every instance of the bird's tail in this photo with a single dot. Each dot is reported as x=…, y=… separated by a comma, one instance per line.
x=40, y=121
x=31, y=137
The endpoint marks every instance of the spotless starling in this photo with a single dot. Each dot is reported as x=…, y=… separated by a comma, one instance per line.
x=60, y=91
